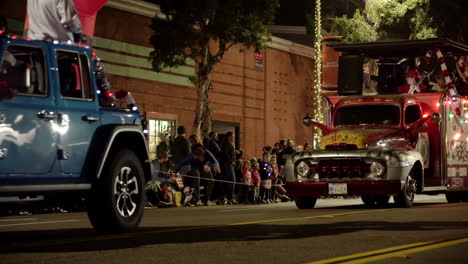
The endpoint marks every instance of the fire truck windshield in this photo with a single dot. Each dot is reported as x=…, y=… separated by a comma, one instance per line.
x=367, y=114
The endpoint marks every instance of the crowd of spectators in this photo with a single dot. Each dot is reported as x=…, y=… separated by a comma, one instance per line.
x=190, y=172
x=194, y=172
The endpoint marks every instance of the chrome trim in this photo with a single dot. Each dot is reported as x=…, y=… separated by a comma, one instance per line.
x=443, y=139
x=45, y=187
x=435, y=188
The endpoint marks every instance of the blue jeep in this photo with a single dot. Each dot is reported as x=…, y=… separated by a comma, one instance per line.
x=60, y=136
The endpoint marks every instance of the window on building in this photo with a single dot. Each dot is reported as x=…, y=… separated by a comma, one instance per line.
x=159, y=124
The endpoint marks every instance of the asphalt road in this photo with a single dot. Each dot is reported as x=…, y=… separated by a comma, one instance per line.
x=336, y=231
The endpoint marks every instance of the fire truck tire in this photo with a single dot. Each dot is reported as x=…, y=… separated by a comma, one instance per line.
x=375, y=201
x=116, y=201
x=305, y=202
x=406, y=196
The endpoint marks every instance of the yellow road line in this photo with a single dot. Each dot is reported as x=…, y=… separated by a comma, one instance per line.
x=308, y=217
x=130, y=235
x=380, y=254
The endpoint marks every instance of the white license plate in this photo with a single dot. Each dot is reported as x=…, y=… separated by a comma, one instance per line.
x=337, y=188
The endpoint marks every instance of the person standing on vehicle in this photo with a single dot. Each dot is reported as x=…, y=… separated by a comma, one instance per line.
x=413, y=85
x=53, y=20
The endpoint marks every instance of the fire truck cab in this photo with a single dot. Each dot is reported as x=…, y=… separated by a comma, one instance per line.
x=389, y=144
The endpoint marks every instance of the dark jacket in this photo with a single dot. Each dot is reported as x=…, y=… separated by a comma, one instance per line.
x=214, y=148
x=180, y=148
x=162, y=150
x=263, y=167
x=228, y=154
x=197, y=164
x=285, y=154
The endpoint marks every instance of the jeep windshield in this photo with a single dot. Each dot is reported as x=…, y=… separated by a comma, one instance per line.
x=368, y=114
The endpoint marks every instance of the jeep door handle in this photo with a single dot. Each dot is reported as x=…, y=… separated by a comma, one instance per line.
x=47, y=115
x=90, y=118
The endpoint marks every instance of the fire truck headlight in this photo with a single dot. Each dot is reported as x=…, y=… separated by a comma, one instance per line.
x=377, y=168
x=302, y=169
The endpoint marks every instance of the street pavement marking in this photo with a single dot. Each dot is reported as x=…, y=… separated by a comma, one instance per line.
x=397, y=251
x=308, y=217
x=130, y=235
x=17, y=219
x=39, y=223
x=446, y=205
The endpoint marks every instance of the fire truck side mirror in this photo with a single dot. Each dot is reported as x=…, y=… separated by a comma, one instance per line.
x=306, y=120
x=436, y=118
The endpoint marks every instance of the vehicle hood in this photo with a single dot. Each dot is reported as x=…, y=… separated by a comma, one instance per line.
x=362, y=137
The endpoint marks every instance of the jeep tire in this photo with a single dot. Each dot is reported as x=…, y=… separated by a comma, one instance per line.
x=305, y=202
x=116, y=201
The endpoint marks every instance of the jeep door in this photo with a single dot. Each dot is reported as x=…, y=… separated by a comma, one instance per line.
x=77, y=105
x=28, y=136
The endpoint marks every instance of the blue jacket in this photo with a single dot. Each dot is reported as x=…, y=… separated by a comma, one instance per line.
x=195, y=163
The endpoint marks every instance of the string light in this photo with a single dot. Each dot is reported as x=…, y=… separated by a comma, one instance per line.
x=317, y=113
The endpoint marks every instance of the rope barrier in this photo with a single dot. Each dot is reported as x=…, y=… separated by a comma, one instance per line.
x=170, y=173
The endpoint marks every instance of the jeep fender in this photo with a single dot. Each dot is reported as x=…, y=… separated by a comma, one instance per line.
x=107, y=140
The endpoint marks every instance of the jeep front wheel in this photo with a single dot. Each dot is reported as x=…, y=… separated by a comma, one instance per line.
x=116, y=201
x=305, y=202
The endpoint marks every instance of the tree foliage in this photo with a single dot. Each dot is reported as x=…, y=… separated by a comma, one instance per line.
x=202, y=31
x=389, y=19
x=354, y=29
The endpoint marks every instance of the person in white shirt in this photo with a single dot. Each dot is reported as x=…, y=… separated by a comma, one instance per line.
x=53, y=20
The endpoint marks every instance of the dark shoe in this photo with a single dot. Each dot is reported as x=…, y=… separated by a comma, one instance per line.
x=162, y=204
x=284, y=198
x=208, y=203
x=149, y=205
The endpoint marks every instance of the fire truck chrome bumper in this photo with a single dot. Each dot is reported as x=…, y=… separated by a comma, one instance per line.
x=317, y=189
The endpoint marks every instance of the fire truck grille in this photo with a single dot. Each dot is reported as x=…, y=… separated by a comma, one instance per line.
x=341, y=168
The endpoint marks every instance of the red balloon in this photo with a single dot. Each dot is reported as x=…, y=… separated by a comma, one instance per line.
x=87, y=11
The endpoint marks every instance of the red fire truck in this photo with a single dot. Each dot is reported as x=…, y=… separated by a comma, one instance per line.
x=390, y=144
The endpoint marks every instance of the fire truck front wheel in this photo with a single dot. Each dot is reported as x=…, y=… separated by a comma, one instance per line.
x=305, y=202
x=406, y=196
